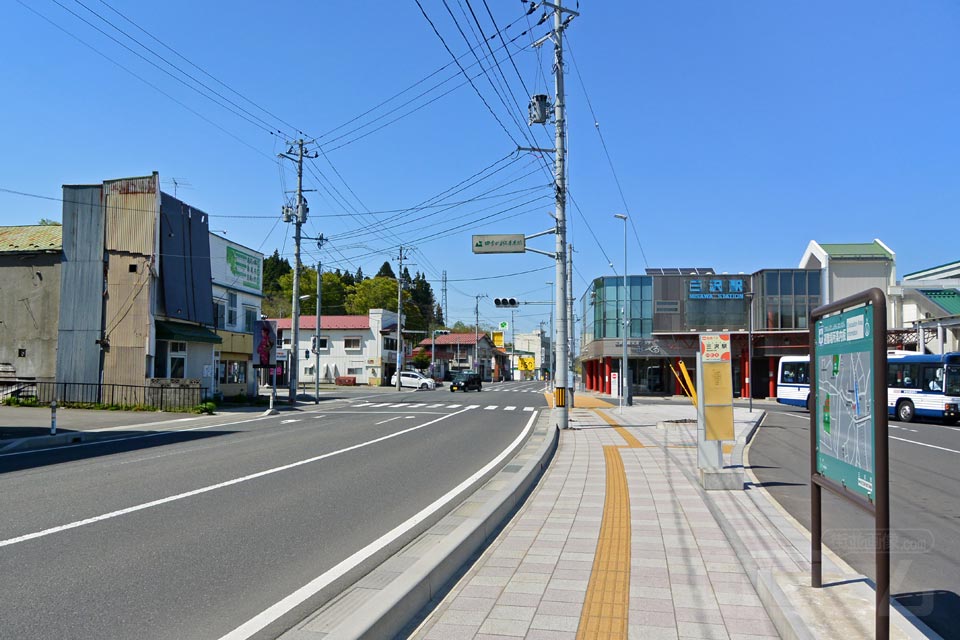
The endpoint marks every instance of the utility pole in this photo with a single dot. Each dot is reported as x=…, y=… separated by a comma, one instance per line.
x=399, y=317
x=316, y=353
x=446, y=316
x=301, y=217
x=561, y=399
x=572, y=333
x=476, y=331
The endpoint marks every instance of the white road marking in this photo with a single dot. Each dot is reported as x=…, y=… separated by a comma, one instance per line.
x=398, y=405
x=289, y=421
x=453, y=406
x=389, y=420
x=924, y=444
x=381, y=404
x=363, y=404
x=531, y=408
x=141, y=426
x=509, y=408
x=473, y=406
x=493, y=406
x=417, y=405
x=152, y=434
x=188, y=494
x=434, y=406
x=317, y=417
x=261, y=620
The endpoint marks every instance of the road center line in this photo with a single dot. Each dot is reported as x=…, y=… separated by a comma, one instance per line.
x=220, y=485
x=261, y=620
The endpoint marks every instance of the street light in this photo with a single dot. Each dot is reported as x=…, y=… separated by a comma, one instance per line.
x=625, y=366
x=749, y=296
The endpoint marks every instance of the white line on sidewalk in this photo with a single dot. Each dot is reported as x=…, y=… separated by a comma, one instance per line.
x=212, y=487
x=261, y=620
x=924, y=444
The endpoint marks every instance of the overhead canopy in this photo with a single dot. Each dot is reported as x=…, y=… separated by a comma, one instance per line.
x=185, y=332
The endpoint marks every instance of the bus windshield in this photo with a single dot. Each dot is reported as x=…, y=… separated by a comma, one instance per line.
x=951, y=380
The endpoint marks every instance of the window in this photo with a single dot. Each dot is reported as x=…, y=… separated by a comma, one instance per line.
x=233, y=372
x=220, y=314
x=355, y=371
x=178, y=360
x=323, y=343
x=232, y=309
x=795, y=373
x=250, y=317
x=390, y=344
x=351, y=343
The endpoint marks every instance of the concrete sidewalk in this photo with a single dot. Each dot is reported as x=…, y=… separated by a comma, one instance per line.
x=619, y=540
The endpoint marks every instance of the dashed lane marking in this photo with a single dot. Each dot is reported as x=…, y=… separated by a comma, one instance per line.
x=493, y=406
x=509, y=408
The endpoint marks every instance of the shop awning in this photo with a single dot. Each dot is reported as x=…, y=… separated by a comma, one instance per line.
x=185, y=332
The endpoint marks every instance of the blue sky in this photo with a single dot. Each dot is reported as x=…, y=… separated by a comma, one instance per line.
x=739, y=131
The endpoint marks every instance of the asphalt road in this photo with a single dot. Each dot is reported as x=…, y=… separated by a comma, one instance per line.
x=924, y=509
x=191, y=532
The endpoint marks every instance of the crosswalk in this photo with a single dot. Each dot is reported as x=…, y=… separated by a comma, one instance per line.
x=437, y=405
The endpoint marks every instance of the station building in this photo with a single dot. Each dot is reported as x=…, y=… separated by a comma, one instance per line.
x=669, y=307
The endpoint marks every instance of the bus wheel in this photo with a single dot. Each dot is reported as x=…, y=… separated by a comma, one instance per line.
x=905, y=411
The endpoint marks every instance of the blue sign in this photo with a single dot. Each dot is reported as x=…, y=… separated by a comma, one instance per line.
x=716, y=289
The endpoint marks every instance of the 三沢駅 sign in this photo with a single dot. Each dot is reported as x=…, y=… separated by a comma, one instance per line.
x=509, y=243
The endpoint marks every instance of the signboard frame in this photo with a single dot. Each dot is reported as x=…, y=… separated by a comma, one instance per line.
x=873, y=304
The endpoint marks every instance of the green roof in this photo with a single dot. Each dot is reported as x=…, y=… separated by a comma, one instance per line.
x=857, y=250
x=949, y=299
x=932, y=271
x=30, y=239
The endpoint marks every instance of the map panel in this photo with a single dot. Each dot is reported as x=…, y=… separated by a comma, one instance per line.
x=845, y=404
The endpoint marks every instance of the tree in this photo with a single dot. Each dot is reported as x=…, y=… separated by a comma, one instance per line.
x=422, y=295
x=47, y=222
x=421, y=361
x=438, y=316
x=386, y=271
x=276, y=300
x=359, y=277
x=372, y=293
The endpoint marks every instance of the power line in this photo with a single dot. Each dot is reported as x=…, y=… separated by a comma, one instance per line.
x=464, y=72
x=606, y=152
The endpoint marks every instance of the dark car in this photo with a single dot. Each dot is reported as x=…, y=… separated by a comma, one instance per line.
x=466, y=381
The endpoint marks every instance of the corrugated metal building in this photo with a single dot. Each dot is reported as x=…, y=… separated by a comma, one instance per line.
x=136, y=298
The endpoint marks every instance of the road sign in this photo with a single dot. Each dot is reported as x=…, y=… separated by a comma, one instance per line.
x=508, y=243
x=504, y=326
x=498, y=339
x=526, y=363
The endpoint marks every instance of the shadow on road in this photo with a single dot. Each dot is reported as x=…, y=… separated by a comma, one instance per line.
x=938, y=609
x=117, y=442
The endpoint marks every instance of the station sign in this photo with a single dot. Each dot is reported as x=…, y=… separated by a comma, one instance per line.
x=504, y=243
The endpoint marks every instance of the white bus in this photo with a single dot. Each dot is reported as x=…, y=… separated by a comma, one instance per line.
x=917, y=385
x=793, y=381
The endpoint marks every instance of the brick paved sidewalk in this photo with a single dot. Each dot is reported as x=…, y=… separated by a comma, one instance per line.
x=616, y=542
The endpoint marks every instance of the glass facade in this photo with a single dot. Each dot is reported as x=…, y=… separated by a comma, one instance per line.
x=602, y=306
x=785, y=298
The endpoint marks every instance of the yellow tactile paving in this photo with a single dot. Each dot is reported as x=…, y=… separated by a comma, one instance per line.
x=607, y=605
x=606, y=608
x=630, y=439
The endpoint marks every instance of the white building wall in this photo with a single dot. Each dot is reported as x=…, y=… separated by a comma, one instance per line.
x=365, y=363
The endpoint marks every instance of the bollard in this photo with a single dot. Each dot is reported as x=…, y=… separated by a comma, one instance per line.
x=53, y=418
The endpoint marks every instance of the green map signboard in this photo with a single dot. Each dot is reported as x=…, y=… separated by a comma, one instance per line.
x=845, y=404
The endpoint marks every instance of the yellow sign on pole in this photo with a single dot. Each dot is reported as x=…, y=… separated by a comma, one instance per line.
x=526, y=363
x=717, y=386
x=498, y=339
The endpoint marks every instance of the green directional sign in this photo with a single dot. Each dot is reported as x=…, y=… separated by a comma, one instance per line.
x=504, y=326
x=509, y=243
x=844, y=403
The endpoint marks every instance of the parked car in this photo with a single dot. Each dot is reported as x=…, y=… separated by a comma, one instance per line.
x=466, y=381
x=413, y=380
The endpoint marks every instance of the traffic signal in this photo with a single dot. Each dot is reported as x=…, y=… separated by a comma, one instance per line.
x=505, y=303
x=441, y=332
x=313, y=345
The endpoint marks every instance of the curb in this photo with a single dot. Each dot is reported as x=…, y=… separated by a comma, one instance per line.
x=400, y=604
x=41, y=442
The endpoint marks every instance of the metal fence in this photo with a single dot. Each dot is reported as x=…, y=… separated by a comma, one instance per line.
x=161, y=398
